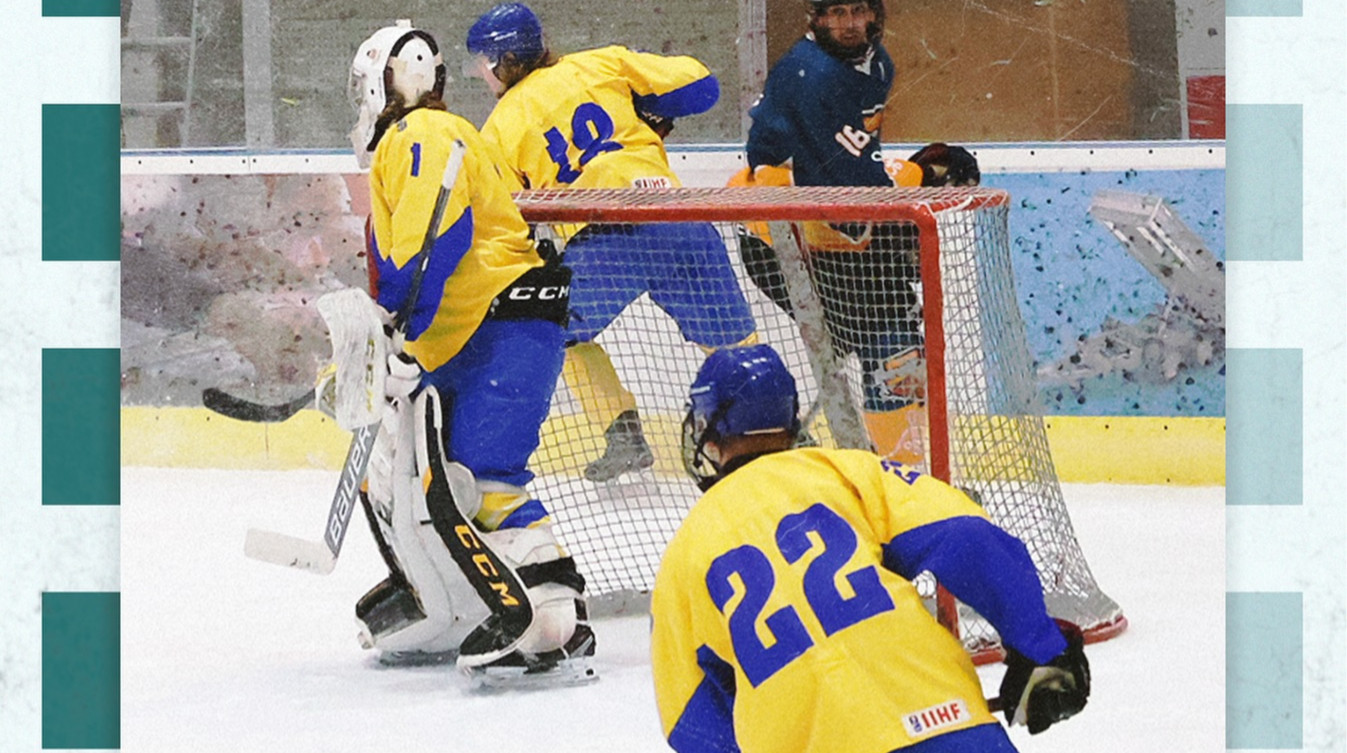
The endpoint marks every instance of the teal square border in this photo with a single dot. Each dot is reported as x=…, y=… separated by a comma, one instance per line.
x=1263, y=8
x=81, y=670
x=81, y=189
x=81, y=426
x=1264, y=665
x=1264, y=183
x=68, y=8
x=1264, y=394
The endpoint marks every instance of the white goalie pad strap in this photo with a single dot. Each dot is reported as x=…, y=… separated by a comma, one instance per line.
x=383, y=460
x=554, y=613
x=360, y=351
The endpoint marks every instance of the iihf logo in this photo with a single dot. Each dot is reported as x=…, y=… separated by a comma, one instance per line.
x=928, y=720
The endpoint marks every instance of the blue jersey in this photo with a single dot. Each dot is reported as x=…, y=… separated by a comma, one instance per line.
x=823, y=115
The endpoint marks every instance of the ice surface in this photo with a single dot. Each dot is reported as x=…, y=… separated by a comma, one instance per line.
x=221, y=653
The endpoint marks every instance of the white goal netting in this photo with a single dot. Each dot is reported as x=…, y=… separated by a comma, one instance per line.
x=896, y=311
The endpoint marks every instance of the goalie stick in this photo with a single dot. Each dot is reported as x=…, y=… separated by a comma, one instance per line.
x=321, y=556
x=240, y=409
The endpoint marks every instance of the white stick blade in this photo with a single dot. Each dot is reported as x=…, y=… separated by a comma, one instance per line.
x=289, y=551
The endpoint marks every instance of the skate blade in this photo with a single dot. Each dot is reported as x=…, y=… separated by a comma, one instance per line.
x=568, y=673
x=416, y=658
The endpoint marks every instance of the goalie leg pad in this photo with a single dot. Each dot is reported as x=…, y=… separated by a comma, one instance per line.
x=424, y=573
x=451, y=497
x=520, y=577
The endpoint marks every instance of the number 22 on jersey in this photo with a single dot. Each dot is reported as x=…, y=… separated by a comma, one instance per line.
x=833, y=610
x=592, y=132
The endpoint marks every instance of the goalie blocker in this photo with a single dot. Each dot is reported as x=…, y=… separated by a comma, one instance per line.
x=505, y=604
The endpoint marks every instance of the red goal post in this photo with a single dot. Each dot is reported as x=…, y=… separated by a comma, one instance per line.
x=896, y=310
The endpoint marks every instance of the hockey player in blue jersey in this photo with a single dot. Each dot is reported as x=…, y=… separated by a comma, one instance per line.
x=823, y=106
x=820, y=116
x=784, y=614
x=824, y=100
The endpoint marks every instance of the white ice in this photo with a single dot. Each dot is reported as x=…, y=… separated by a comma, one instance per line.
x=220, y=653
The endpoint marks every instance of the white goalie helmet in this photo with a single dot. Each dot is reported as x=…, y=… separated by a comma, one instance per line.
x=395, y=60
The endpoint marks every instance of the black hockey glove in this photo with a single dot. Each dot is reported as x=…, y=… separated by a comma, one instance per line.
x=660, y=125
x=945, y=165
x=1038, y=696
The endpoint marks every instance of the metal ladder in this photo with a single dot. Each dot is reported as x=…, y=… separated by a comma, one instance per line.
x=147, y=58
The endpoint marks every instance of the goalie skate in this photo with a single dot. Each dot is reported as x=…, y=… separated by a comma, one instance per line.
x=416, y=658
x=569, y=665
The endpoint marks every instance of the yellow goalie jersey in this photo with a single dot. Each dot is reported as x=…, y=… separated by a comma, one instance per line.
x=779, y=623
x=574, y=123
x=482, y=242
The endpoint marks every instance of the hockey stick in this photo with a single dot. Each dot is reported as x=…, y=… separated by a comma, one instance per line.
x=321, y=556
x=245, y=410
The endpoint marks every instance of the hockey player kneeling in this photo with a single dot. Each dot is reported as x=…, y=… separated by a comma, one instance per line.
x=784, y=613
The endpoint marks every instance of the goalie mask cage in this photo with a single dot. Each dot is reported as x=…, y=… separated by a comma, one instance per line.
x=895, y=308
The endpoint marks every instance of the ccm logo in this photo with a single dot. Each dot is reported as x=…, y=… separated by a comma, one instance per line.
x=482, y=561
x=546, y=293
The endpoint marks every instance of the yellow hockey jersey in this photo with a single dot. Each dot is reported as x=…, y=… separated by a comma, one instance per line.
x=780, y=624
x=482, y=242
x=574, y=123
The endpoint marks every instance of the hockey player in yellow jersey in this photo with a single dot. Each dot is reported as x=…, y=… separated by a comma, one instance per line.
x=594, y=119
x=451, y=261
x=784, y=616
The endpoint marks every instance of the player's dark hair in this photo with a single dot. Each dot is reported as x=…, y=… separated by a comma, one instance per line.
x=874, y=31
x=397, y=109
x=511, y=70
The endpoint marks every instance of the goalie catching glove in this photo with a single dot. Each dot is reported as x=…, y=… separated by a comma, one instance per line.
x=1040, y=695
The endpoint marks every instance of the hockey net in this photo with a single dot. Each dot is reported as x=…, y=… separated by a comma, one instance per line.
x=896, y=311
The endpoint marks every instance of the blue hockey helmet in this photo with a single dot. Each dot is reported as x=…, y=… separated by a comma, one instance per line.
x=507, y=28
x=738, y=391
